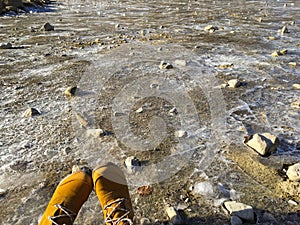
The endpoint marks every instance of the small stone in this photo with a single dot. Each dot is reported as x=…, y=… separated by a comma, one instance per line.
x=234, y=83
x=95, y=133
x=240, y=210
x=154, y=86
x=296, y=86
x=48, y=27
x=235, y=221
x=83, y=122
x=271, y=38
x=132, y=164
x=139, y=110
x=296, y=104
x=211, y=28
x=117, y=26
x=293, y=172
x=180, y=62
x=70, y=91
x=145, y=221
x=173, y=111
x=225, y=66
x=292, y=64
x=165, y=65
x=75, y=168
x=174, y=215
x=180, y=133
x=292, y=202
x=264, y=143
x=5, y=45
x=144, y=190
x=204, y=188
x=30, y=112
x=279, y=53
x=2, y=192
x=284, y=30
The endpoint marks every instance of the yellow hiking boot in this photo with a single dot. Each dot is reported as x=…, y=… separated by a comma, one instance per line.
x=112, y=191
x=68, y=198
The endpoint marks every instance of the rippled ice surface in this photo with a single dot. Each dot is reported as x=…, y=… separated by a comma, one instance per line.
x=35, y=150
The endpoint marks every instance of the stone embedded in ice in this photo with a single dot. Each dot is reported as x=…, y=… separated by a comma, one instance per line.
x=264, y=143
x=132, y=164
x=293, y=172
x=240, y=210
x=204, y=188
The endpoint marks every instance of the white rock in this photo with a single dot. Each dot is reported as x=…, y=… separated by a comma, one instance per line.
x=284, y=30
x=165, y=65
x=293, y=172
x=132, y=164
x=70, y=91
x=174, y=215
x=240, y=210
x=292, y=202
x=180, y=133
x=139, y=110
x=204, y=188
x=30, y=112
x=264, y=143
x=2, y=192
x=235, y=221
x=234, y=83
x=296, y=86
x=95, y=133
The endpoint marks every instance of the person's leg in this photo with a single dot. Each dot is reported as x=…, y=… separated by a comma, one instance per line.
x=112, y=191
x=68, y=198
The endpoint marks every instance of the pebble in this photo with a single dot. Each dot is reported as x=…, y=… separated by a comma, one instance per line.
x=264, y=143
x=75, y=168
x=271, y=38
x=234, y=83
x=203, y=188
x=2, y=192
x=5, y=45
x=240, y=210
x=83, y=122
x=279, y=53
x=292, y=202
x=293, y=172
x=225, y=66
x=145, y=221
x=154, y=86
x=165, y=65
x=296, y=86
x=70, y=91
x=283, y=30
x=48, y=27
x=139, y=110
x=174, y=215
x=180, y=133
x=132, y=164
x=296, y=104
x=94, y=133
x=173, y=111
x=211, y=28
x=292, y=64
x=235, y=221
x=30, y=112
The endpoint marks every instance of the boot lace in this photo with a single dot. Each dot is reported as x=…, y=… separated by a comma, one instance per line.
x=115, y=206
x=67, y=213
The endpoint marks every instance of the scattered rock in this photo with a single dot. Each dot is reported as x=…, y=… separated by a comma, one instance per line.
x=234, y=83
x=264, y=143
x=225, y=66
x=173, y=111
x=5, y=45
x=144, y=190
x=75, y=168
x=293, y=172
x=165, y=65
x=70, y=91
x=180, y=62
x=95, y=133
x=279, y=53
x=132, y=164
x=240, y=210
x=283, y=30
x=48, y=27
x=180, y=133
x=203, y=188
x=139, y=110
x=175, y=216
x=292, y=202
x=30, y=112
x=211, y=28
x=271, y=38
x=2, y=192
x=154, y=86
x=292, y=64
x=296, y=104
x=236, y=220
x=145, y=221
x=296, y=86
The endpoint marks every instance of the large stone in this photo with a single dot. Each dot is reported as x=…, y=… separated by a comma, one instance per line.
x=240, y=210
x=264, y=143
x=293, y=172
